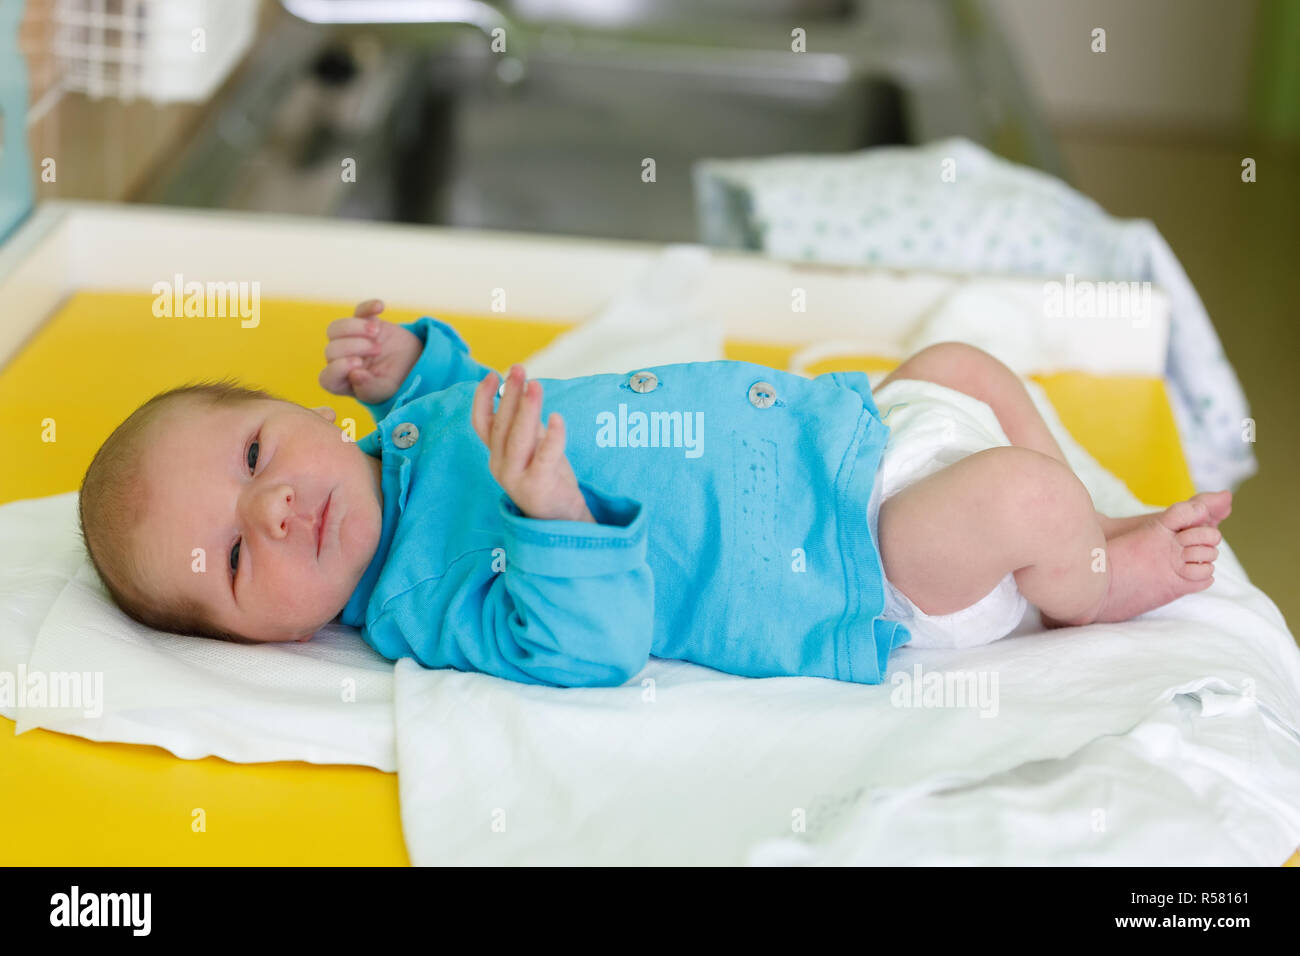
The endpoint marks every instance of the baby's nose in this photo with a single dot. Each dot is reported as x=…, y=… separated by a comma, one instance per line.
x=280, y=510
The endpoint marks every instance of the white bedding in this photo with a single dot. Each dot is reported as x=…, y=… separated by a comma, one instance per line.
x=1106, y=739
x=327, y=701
x=1172, y=739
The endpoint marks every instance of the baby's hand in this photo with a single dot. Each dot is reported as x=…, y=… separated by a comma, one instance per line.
x=534, y=473
x=368, y=358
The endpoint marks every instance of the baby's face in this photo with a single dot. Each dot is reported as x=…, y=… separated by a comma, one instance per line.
x=248, y=483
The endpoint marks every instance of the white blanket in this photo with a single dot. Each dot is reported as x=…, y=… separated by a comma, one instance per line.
x=104, y=677
x=73, y=662
x=953, y=206
x=1105, y=739
x=1107, y=744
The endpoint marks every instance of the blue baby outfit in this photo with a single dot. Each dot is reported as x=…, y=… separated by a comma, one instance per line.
x=731, y=508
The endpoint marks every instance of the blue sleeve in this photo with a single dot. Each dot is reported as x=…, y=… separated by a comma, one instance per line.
x=573, y=606
x=444, y=362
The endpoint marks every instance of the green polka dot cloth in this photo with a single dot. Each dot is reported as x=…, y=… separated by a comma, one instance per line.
x=953, y=206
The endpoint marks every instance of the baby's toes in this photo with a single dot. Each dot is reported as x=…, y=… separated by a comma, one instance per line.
x=1185, y=514
x=1199, y=552
x=1218, y=504
x=1199, y=535
x=1197, y=571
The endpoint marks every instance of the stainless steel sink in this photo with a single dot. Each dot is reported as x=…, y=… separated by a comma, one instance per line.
x=569, y=149
x=440, y=133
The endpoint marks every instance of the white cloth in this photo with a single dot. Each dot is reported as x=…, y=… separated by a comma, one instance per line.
x=953, y=206
x=1098, y=743
x=930, y=428
x=1165, y=790
x=1108, y=744
x=655, y=321
x=328, y=700
x=700, y=766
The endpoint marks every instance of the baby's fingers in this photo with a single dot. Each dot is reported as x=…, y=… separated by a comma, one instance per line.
x=351, y=345
x=551, y=450
x=521, y=439
x=481, y=410
x=339, y=376
x=505, y=413
x=363, y=328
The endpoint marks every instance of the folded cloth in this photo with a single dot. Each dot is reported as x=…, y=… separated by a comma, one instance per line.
x=953, y=206
x=656, y=320
x=72, y=661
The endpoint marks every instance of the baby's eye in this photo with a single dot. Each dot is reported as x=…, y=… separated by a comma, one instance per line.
x=253, y=451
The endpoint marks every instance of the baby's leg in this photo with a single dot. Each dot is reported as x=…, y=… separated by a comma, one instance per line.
x=947, y=541
x=968, y=369
x=977, y=373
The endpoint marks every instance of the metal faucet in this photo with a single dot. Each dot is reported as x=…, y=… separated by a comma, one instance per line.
x=484, y=16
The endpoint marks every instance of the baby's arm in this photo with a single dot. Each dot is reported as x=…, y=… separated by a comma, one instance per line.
x=564, y=603
x=533, y=470
x=568, y=600
x=373, y=360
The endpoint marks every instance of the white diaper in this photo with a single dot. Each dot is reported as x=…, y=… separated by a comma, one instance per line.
x=931, y=427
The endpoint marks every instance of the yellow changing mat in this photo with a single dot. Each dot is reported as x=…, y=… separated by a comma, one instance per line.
x=97, y=359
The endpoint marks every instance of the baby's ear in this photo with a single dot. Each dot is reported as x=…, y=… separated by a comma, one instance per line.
x=325, y=412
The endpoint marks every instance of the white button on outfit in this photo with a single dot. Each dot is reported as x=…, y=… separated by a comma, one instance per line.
x=762, y=395
x=643, y=382
x=405, y=435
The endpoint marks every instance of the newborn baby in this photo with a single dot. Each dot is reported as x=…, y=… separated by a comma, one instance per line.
x=725, y=513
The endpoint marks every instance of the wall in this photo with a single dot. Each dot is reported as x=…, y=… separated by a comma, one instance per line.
x=1170, y=66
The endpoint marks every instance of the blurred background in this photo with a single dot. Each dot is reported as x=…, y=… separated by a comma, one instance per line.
x=539, y=137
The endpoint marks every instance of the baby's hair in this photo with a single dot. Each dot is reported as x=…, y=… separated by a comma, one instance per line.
x=112, y=505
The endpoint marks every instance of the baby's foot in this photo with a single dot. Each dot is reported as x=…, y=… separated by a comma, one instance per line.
x=1164, y=557
x=1218, y=505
